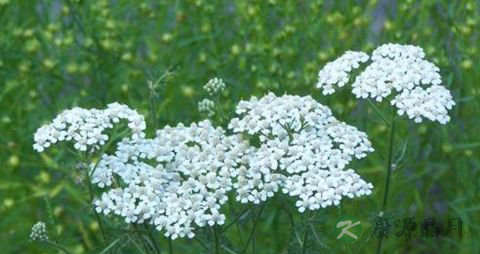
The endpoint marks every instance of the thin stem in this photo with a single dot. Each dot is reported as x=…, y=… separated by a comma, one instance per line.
x=389, y=173
x=389, y=166
x=201, y=243
x=375, y=108
x=339, y=210
x=54, y=244
x=105, y=147
x=306, y=231
x=228, y=249
x=140, y=236
x=139, y=248
x=239, y=232
x=315, y=235
x=235, y=220
x=145, y=244
x=305, y=238
x=153, y=85
x=153, y=104
x=219, y=109
x=97, y=217
x=216, y=239
x=154, y=242
x=170, y=246
x=252, y=233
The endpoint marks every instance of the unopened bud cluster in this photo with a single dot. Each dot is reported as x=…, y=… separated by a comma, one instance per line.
x=214, y=86
x=39, y=232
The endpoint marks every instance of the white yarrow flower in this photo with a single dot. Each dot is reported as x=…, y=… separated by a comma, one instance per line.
x=85, y=127
x=395, y=70
x=336, y=72
x=303, y=150
x=176, y=181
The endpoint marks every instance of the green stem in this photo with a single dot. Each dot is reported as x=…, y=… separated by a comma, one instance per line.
x=145, y=244
x=170, y=246
x=305, y=233
x=201, y=243
x=220, y=109
x=153, y=109
x=252, y=233
x=375, y=108
x=235, y=220
x=55, y=245
x=106, y=146
x=228, y=249
x=154, y=242
x=139, y=234
x=389, y=173
x=389, y=166
x=305, y=238
x=339, y=210
x=139, y=248
x=216, y=239
x=97, y=217
x=153, y=85
x=239, y=232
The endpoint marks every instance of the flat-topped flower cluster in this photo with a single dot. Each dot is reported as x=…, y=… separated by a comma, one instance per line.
x=393, y=68
x=85, y=127
x=175, y=181
x=303, y=150
x=179, y=179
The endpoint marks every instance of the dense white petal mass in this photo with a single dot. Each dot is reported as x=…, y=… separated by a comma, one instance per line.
x=85, y=127
x=302, y=149
x=176, y=181
x=395, y=67
x=432, y=103
x=337, y=71
x=400, y=71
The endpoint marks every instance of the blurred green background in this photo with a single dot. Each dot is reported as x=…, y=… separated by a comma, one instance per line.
x=56, y=54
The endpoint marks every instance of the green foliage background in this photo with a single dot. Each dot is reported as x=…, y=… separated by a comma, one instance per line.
x=56, y=54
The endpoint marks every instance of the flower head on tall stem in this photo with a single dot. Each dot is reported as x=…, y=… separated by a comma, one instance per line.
x=397, y=72
x=302, y=150
x=85, y=127
x=177, y=181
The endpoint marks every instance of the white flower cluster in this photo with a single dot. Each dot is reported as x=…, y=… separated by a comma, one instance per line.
x=321, y=188
x=85, y=127
x=302, y=150
x=214, y=86
x=336, y=72
x=395, y=67
x=206, y=107
x=180, y=179
x=432, y=103
x=176, y=181
x=39, y=232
